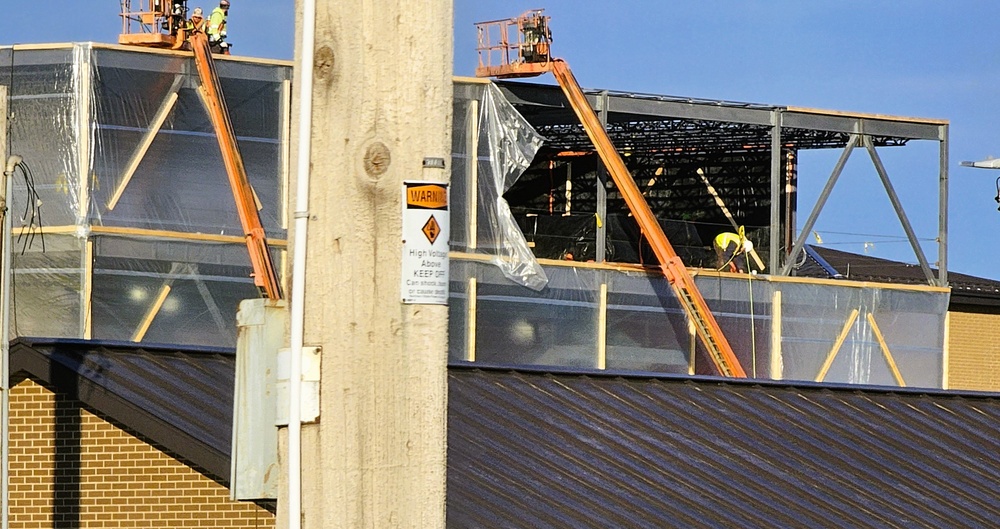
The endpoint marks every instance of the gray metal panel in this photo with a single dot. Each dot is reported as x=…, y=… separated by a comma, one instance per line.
x=536, y=95
x=872, y=126
x=701, y=111
x=255, y=470
x=567, y=450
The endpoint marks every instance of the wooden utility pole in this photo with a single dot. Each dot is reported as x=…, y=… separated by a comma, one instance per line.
x=381, y=115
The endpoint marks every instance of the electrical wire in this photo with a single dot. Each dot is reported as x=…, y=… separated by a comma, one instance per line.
x=32, y=216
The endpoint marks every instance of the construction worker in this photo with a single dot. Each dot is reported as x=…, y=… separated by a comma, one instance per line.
x=196, y=24
x=731, y=250
x=217, y=28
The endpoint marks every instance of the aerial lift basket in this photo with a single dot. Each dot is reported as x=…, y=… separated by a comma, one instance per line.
x=515, y=47
x=153, y=23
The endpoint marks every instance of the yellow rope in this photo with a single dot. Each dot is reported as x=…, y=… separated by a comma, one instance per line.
x=753, y=330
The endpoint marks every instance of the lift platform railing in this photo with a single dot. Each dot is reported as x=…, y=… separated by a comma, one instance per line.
x=153, y=23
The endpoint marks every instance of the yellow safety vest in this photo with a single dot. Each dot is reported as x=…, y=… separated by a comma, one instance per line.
x=724, y=239
x=217, y=21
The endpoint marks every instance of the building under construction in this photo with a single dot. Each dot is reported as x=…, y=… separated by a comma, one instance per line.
x=127, y=207
x=125, y=226
x=566, y=243
x=125, y=230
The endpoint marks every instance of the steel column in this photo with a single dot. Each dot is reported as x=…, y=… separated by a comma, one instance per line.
x=943, y=210
x=776, y=181
x=602, y=189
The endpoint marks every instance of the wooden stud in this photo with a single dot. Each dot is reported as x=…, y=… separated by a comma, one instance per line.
x=885, y=351
x=147, y=140
x=836, y=346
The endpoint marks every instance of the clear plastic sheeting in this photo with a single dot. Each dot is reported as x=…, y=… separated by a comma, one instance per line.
x=127, y=228
x=603, y=318
x=505, y=146
x=554, y=326
x=647, y=328
x=624, y=318
x=876, y=328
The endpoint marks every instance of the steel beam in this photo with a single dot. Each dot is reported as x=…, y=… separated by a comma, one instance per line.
x=677, y=109
x=899, y=128
x=898, y=207
x=820, y=202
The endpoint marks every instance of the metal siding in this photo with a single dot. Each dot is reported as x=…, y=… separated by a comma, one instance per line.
x=532, y=449
x=255, y=459
x=535, y=449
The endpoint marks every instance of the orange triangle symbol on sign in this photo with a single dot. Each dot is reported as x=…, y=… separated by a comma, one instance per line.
x=431, y=229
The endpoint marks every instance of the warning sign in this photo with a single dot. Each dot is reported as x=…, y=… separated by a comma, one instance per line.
x=432, y=229
x=425, y=243
x=427, y=196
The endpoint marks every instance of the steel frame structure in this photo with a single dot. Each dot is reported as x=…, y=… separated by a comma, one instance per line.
x=660, y=127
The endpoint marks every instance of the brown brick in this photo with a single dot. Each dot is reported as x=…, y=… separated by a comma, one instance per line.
x=974, y=351
x=116, y=480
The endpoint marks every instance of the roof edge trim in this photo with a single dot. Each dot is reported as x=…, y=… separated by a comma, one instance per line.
x=459, y=365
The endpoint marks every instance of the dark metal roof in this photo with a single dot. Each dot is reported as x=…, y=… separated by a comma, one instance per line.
x=179, y=399
x=826, y=262
x=535, y=449
x=547, y=449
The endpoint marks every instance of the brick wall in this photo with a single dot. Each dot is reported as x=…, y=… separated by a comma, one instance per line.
x=974, y=351
x=71, y=469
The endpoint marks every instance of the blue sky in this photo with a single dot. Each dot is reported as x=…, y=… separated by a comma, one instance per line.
x=921, y=58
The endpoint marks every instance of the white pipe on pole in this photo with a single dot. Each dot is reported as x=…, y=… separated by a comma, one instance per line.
x=299, y=264
x=6, y=269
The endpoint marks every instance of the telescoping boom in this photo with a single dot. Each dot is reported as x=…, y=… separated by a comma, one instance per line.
x=161, y=24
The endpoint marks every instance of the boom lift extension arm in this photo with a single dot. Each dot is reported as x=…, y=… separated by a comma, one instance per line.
x=264, y=275
x=531, y=57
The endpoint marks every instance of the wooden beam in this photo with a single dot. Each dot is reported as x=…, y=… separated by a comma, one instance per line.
x=154, y=309
x=725, y=211
x=147, y=139
x=602, y=327
x=885, y=351
x=836, y=346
